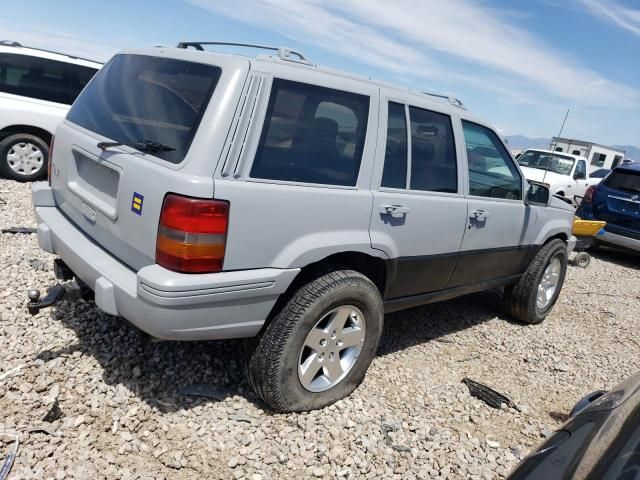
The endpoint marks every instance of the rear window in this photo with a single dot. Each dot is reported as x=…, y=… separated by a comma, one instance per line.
x=624, y=180
x=139, y=98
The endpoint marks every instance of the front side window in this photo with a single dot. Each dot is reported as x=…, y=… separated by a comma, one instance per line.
x=552, y=162
x=312, y=134
x=491, y=170
x=137, y=98
x=35, y=77
x=581, y=169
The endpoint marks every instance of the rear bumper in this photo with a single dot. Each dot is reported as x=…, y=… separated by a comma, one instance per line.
x=618, y=240
x=163, y=303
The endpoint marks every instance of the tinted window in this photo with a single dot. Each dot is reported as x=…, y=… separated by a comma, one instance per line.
x=395, y=158
x=35, y=77
x=433, y=153
x=624, y=180
x=600, y=173
x=492, y=173
x=312, y=134
x=80, y=76
x=135, y=98
x=581, y=169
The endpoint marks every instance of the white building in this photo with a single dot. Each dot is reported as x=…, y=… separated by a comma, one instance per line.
x=599, y=156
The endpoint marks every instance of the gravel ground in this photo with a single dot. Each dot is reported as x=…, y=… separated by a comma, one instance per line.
x=123, y=415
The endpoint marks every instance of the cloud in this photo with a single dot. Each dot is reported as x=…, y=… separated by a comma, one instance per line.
x=461, y=40
x=614, y=13
x=57, y=40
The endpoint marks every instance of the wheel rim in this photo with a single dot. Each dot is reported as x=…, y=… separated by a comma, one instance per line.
x=549, y=283
x=25, y=158
x=331, y=348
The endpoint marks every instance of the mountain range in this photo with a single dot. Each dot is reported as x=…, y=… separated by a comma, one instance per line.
x=523, y=142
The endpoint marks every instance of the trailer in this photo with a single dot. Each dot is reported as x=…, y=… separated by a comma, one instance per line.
x=599, y=156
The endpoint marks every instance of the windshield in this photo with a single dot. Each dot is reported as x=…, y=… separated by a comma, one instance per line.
x=552, y=162
x=137, y=99
x=624, y=180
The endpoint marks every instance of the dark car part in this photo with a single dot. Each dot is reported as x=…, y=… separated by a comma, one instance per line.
x=72, y=291
x=585, y=401
x=487, y=395
x=61, y=270
x=601, y=440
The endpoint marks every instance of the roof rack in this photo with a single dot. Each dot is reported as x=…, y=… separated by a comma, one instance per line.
x=456, y=102
x=10, y=43
x=283, y=53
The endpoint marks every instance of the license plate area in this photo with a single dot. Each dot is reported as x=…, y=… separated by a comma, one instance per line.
x=95, y=182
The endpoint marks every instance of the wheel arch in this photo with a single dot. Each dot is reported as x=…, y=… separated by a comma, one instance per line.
x=372, y=267
x=41, y=133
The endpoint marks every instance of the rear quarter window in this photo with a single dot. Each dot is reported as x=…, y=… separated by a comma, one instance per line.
x=312, y=134
x=140, y=98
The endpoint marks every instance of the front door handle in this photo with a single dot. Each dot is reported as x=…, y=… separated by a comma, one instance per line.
x=396, y=211
x=479, y=215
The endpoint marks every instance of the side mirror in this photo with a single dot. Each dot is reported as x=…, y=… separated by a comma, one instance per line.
x=538, y=194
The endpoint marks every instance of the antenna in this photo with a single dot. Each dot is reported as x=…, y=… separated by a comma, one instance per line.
x=561, y=128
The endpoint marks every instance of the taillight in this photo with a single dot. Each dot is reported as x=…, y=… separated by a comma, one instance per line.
x=192, y=234
x=588, y=194
x=50, y=159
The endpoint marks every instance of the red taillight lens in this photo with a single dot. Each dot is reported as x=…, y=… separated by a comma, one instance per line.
x=192, y=234
x=588, y=194
x=50, y=159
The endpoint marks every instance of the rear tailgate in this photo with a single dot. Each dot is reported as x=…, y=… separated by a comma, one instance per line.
x=115, y=194
x=617, y=199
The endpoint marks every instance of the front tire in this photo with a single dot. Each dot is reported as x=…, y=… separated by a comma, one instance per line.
x=318, y=348
x=531, y=299
x=23, y=157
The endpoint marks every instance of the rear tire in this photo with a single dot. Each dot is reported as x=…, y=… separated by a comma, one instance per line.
x=278, y=365
x=24, y=157
x=522, y=300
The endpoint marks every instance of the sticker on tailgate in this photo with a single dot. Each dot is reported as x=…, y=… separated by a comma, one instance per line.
x=136, y=203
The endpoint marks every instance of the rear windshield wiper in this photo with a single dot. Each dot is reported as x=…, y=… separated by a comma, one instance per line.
x=142, y=145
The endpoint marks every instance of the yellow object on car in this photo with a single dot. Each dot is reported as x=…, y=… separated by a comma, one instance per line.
x=587, y=228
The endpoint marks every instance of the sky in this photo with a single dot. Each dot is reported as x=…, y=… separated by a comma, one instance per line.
x=520, y=65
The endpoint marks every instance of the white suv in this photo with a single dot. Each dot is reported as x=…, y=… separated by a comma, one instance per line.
x=36, y=89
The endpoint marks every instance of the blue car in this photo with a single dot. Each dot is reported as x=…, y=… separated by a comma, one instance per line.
x=616, y=200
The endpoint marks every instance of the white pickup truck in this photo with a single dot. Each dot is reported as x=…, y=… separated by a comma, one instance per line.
x=566, y=175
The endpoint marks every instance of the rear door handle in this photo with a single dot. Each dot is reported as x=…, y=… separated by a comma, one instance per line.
x=480, y=215
x=396, y=211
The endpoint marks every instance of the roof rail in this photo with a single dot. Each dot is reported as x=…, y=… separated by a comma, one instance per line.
x=9, y=43
x=456, y=102
x=282, y=52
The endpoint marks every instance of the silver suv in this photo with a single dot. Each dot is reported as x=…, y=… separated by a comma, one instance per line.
x=206, y=196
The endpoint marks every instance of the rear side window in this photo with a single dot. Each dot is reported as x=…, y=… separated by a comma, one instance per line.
x=492, y=173
x=433, y=152
x=36, y=77
x=312, y=134
x=624, y=180
x=139, y=98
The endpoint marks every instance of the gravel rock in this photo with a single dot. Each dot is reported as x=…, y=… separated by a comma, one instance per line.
x=124, y=415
